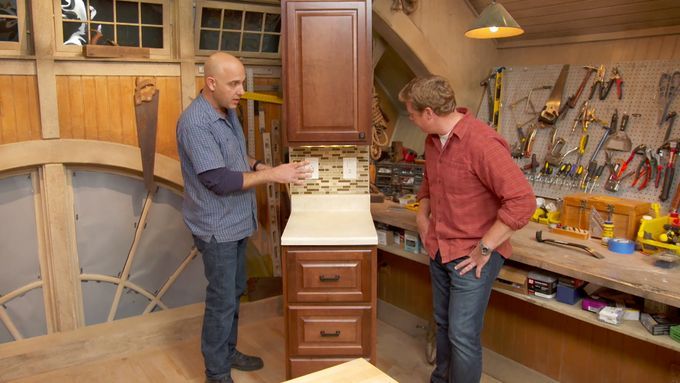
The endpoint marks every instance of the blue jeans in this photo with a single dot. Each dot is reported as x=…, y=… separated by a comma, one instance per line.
x=459, y=306
x=225, y=269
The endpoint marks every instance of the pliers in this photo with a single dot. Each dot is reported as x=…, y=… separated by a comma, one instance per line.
x=640, y=149
x=644, y=170
x=615, y=78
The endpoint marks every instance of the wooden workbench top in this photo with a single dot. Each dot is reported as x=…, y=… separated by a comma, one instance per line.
x=631, y=273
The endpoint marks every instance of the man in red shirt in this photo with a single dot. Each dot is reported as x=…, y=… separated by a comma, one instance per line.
x=473, y=197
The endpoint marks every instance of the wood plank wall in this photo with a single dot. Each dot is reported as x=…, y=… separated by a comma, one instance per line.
x=19, y=111
x=102, y=108
x=610, y=51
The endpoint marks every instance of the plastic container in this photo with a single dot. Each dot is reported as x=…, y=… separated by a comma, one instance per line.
x=654, y=228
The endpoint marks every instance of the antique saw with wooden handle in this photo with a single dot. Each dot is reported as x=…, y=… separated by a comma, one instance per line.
x=551, y=110
x=146, y=114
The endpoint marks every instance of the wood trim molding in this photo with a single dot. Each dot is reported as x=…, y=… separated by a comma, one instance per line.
x=85, y=152
x=110, y=68
x=62, y=273
x=632, y=34
x=17, y=67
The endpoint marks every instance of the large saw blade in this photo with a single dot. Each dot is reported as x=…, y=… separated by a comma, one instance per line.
x=551, y=110
x=146, y=114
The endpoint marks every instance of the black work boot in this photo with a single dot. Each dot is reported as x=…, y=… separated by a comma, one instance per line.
x=245, y=362
x=226, y=379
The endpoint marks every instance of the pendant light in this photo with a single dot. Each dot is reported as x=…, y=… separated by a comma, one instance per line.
x=494, y=22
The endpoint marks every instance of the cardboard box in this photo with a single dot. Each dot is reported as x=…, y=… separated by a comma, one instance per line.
x=626, y=214
x=512, y=279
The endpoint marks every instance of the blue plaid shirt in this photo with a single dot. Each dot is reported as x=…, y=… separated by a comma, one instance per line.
x=207, y=141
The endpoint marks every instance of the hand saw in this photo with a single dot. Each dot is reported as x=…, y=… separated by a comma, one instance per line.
x=146, y=114
x=550, y=111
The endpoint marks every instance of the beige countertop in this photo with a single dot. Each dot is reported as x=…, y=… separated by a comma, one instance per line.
x=330, y=220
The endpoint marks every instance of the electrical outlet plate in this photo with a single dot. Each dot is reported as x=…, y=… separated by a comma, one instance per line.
x=349, y=168
x=314, y=164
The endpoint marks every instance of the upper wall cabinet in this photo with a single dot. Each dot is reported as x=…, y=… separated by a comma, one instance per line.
x=327, y=74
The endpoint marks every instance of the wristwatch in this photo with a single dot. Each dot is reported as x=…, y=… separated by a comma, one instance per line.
x=484, y=249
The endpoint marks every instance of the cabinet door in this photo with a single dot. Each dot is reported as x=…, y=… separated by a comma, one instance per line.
x=329, y=275
x=327, y=71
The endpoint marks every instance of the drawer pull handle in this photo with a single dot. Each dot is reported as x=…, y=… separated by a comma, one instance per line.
x=332, y=278
x=327, y=334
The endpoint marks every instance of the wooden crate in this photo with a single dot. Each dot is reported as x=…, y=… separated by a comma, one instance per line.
x=626, y=215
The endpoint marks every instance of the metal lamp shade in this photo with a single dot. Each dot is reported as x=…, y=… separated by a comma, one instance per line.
x=494, y=22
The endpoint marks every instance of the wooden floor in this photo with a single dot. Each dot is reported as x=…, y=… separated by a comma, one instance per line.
x=399, y=355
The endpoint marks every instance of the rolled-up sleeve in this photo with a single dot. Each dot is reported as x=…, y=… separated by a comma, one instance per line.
x=497, y=170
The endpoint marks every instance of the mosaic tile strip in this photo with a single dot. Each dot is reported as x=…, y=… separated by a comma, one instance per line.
x=330, y=169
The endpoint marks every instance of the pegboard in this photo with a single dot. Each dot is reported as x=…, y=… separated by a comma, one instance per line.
x=640, y=95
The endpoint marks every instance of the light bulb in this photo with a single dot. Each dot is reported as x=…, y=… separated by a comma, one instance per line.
x=493, y=29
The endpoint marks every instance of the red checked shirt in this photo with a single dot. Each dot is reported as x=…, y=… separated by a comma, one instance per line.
x=471, y=181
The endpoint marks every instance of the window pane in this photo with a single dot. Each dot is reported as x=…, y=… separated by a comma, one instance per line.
x=230, y=41
x=103, y=10
x=272, y=23
x=70, y=12
x=209, y=40
x=232, y=19
x=251, y=42
x=126, y=12
x=210, y=18
x=8, y=7
x=106, y=30
x=128, y=35
x=152, y=37
x=253, y=21
x=270, y=43
x=152, y=14
x=9, y=29
x=74, y=33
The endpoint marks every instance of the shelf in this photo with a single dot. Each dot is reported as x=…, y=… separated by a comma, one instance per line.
x=420, y=258
x=630, y=328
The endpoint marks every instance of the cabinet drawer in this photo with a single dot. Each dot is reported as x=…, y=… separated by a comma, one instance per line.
x=329, y=330
x=303, y=366
x=328, y=275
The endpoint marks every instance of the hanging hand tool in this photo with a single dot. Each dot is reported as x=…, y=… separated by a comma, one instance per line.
x=615, y=78
x=581, y=117
x=670, y=170
x=640, y=149
x=659, y=167
x=620, y=141
x=551, y=110
x=598, y=173
x=670, y=118
x=599, y=81
x=557, y=242
x=605, y=136
x=644, y=170
x=571, y=101
x=669, y=86
x=576, y=168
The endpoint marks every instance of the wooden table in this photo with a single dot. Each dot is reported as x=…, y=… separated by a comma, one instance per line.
x=355, y=371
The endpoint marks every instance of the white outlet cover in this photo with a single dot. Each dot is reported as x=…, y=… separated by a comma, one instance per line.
x=349, y=168
x=314, y=164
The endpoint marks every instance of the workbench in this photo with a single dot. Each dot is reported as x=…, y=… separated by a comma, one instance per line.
x=635, y=273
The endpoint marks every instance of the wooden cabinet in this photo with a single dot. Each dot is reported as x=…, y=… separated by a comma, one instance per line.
x=329, y=306
x=327, y=71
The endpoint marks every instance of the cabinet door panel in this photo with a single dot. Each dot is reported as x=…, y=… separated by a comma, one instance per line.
x=329, y=330
x=328, y=275
x=327, y=71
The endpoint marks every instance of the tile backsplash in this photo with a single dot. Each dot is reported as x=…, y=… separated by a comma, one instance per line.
x=330, y=170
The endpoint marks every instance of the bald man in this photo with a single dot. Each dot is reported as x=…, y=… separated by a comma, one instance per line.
x=220, y=207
